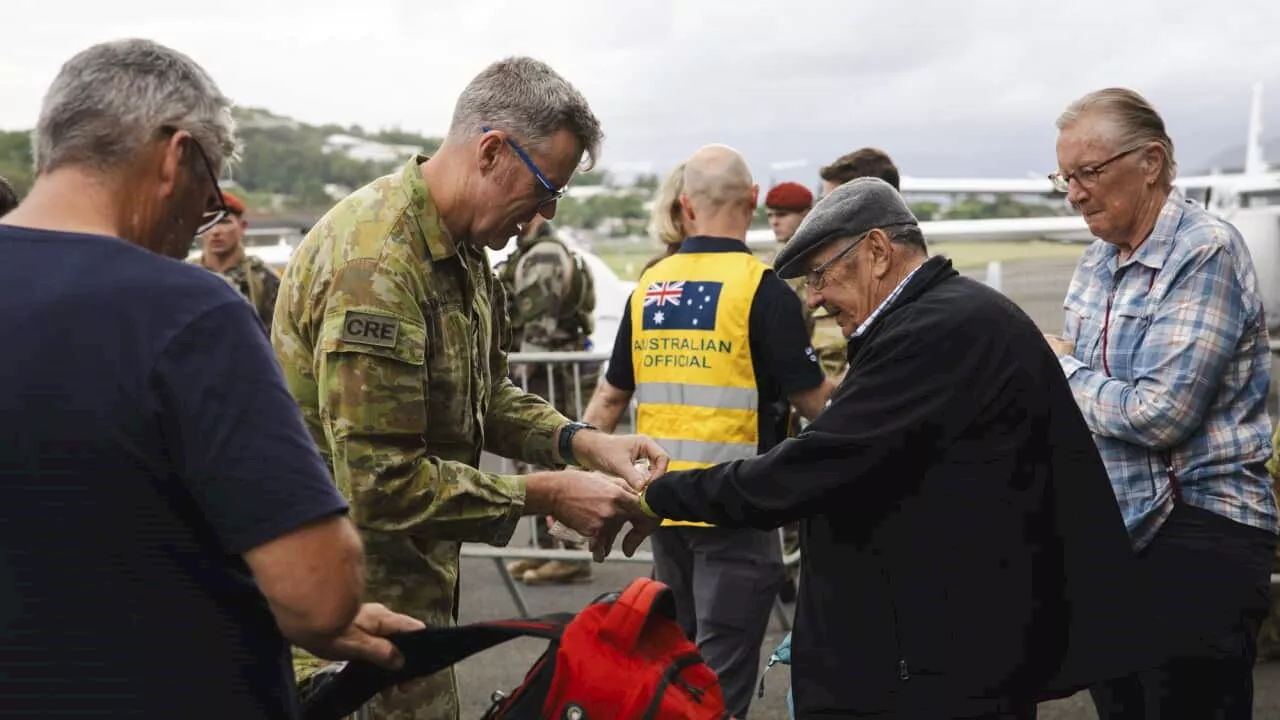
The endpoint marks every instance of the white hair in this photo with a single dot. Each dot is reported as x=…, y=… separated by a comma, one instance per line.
x=110, y=100
x=529, y=100
x=1136, y=122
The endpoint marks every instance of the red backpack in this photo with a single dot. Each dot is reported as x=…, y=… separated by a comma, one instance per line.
x=622, y=658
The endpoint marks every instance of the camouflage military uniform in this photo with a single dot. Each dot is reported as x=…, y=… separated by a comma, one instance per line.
x=257, y=282
x=1269, y=634
x=552, y=298
x=393, y=339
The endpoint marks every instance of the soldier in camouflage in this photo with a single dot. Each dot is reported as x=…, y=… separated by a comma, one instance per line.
x=391, y=331
x=223, y=253
x=551, y=300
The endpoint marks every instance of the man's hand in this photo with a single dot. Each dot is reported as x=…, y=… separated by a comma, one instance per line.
x=617, y=455
x=595, y=505
x=641, y=528
x=365, y=638
x=1060, y=345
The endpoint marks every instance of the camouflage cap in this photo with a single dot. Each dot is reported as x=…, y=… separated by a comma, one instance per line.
x=847, y=211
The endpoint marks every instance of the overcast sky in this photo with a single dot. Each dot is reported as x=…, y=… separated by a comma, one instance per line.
x=947, y=87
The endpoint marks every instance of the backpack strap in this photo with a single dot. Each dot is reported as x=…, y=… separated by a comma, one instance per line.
x=426, y=652
x=627, y=616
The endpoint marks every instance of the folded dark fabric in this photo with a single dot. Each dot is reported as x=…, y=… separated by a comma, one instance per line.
x=333, y=696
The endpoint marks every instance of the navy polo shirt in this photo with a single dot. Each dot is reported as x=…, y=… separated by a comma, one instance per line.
x=147, y=440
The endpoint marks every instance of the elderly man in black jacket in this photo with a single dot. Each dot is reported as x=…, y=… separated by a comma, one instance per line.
x=963, y=553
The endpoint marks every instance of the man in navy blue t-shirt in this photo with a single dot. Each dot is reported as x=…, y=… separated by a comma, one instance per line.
x=167, y=521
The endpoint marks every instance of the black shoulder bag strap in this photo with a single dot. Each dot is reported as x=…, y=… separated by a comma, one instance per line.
x=425, y=652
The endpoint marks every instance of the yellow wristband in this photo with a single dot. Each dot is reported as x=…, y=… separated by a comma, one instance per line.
x=644, y=507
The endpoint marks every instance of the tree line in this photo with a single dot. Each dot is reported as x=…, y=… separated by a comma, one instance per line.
x=284, y=170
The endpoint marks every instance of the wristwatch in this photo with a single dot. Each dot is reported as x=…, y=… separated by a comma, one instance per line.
x=566, y=440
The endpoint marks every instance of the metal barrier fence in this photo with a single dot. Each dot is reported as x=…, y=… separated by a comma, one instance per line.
x=525, y=365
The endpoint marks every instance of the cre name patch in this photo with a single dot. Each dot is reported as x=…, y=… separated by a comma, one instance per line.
x=368, y=329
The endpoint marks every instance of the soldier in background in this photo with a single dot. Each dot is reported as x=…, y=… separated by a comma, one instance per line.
x=551, y=300
x=8, y=198
x=223, y=253
x=787, y=204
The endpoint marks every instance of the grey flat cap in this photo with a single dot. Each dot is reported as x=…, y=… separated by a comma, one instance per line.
x=848, y=211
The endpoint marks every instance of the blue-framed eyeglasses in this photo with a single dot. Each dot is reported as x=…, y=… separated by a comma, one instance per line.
x=554, y=193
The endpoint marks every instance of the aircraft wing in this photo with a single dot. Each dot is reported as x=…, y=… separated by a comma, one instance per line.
x=1017, y=186
x=1064, y=229
x=1235, y=183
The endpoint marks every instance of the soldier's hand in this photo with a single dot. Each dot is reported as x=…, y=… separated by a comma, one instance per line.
x=365, y=638
x=617, y=455
x=595, y=505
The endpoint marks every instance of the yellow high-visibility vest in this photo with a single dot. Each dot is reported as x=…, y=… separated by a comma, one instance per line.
x=696, y=390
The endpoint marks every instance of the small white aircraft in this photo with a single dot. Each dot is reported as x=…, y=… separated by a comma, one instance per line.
x=1247, y=199
x=1224, y=193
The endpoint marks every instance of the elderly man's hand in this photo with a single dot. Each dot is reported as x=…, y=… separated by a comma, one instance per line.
x=1060, y=345
x=618, y=454
x=641, y=528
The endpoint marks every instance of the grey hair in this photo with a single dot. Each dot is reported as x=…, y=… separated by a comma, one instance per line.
x=529, y=100
x=1135, y=119
x=110, y=100
x=909, y=235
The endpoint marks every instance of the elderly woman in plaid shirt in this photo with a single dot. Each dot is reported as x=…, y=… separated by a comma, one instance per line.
x=1166, y=350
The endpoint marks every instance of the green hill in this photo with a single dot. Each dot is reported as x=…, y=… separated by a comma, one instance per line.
x=283, y=169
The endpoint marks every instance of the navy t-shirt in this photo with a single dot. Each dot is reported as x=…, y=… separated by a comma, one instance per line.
x=784, y=360
x=147, y=440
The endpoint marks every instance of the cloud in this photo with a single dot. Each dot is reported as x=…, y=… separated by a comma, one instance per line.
x=946, y=88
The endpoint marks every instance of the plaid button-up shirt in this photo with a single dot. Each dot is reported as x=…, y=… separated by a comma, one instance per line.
x=1171, y=367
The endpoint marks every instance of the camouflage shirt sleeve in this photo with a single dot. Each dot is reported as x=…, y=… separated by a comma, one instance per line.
x=519, y=425
x=370, y=355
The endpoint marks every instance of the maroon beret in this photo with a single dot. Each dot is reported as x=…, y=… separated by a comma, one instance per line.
x=789, y=196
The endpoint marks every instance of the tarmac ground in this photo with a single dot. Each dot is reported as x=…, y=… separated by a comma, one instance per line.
x=503, y=668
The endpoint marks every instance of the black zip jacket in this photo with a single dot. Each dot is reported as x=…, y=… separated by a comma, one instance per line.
x=963, y=552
